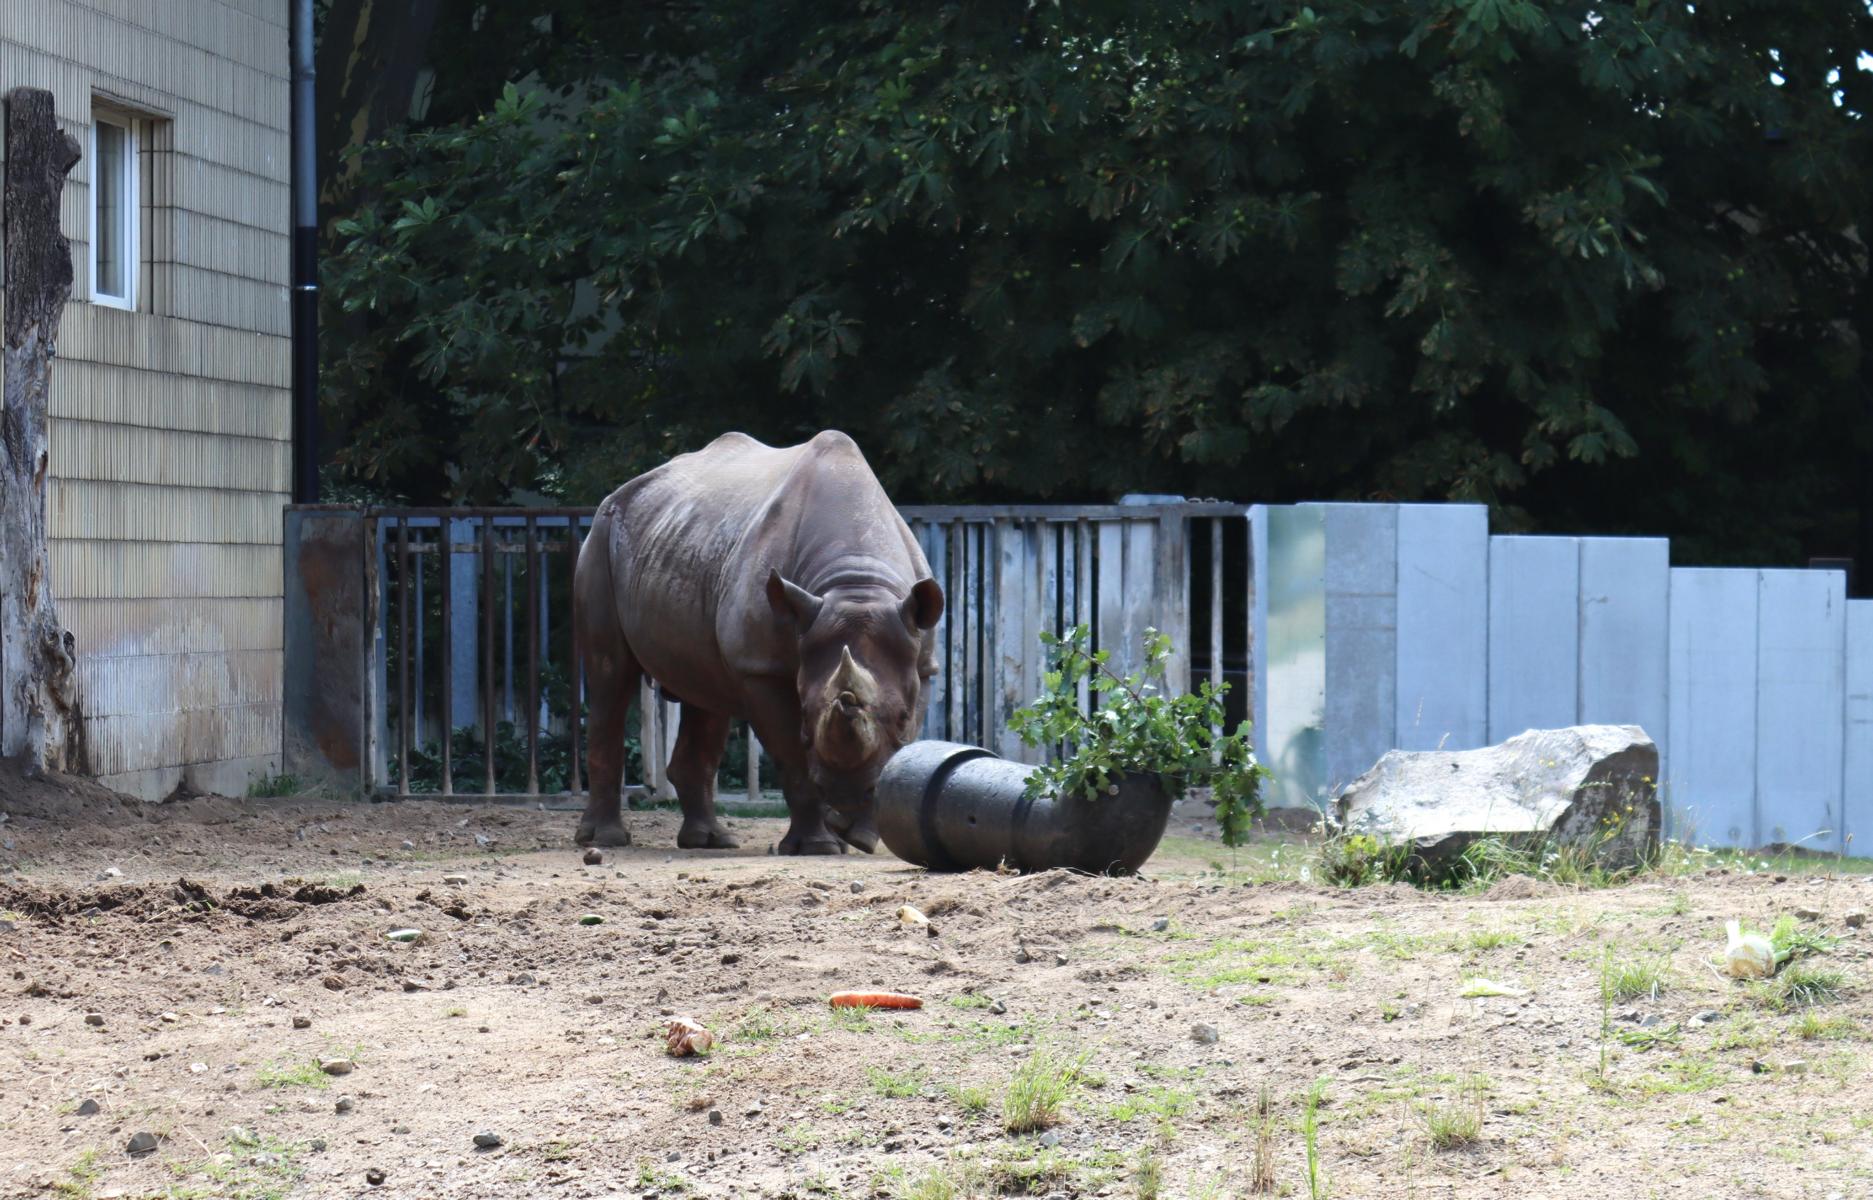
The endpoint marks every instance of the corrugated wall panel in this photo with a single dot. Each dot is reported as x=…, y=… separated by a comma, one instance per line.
x=1443, y=626
x=1857, y=754
x=92, y=510
x=1625, y=623
x=1534, y=634
x=88, y=391
x=1711, y=791
x=166, y=683
x=1801, y=693
x=119, y=628
x=129, y=454
x=179, y=570
x=1362, y=637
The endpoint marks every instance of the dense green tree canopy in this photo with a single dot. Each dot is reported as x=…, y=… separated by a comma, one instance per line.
x=1591, y=262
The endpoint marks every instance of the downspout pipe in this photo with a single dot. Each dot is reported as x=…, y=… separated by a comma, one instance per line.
x=305, y=293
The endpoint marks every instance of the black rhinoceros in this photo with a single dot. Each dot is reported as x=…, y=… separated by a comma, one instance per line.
x=776, y=585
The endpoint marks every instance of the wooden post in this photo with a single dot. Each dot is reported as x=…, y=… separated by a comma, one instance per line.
x=41, y=718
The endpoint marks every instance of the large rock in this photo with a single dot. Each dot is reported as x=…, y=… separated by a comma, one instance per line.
x=1593, y=786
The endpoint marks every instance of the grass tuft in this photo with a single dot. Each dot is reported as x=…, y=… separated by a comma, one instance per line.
x=1458, y=1121
x=1632, y=979
x=1037, y=1091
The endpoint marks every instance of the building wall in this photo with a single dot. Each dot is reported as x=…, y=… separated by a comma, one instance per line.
x=170, y=425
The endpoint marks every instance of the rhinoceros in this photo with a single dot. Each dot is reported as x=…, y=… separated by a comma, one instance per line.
x=778, y=585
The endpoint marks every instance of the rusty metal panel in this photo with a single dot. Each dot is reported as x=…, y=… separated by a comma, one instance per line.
x=330, y=609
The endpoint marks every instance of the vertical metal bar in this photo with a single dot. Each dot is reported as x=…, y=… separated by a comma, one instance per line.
x=1083, y=593
x=1216, y=607
x=533, y=663
x=416, y=720
x=403, y=656
x=507, y=636
x=574, y=684
x=445, y=546
x=957, y=611
x=487, y=655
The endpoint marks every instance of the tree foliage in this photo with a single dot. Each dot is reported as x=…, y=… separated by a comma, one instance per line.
x=1565, y=257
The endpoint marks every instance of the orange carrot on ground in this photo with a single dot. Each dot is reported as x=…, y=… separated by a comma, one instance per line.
x=874, y=1000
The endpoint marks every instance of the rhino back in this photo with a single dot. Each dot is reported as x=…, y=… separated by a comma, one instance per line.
x=694, y=540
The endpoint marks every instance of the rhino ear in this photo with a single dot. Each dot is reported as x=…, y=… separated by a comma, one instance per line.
x=791, y=602
x=923, y=608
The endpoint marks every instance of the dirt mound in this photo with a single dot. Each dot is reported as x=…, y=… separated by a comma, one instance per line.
x=57, y=797
x=183, y=898
x=1522, y=887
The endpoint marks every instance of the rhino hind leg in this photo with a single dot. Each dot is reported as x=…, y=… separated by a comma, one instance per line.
x=700, y=740
x=612, y=674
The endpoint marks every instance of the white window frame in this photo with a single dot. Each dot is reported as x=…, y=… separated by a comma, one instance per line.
x=132, y=209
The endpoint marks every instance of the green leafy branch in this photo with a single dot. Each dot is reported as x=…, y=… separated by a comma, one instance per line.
x=1136, y=727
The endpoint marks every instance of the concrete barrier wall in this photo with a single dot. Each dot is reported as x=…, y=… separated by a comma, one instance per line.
x=1757, y=684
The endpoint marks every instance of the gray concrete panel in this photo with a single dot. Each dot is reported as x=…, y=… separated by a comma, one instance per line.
x=1443, y=627
x=1361, y=577
x=1534, y=634
x=1801, y=692
x=1625, y=632
x=1857, y=755
x=1710, y=792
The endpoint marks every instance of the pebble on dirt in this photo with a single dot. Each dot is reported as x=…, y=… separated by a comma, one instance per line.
x=455, y=880
x=1807, y=914
x=715, y=1116
x=857, y=887
x=1203, y=1034
x=89, y=1108
x=336, y=1066
x=1160, y=925
x=1854, y=919
x=94, y=1018
x=374, y=1177
x=595, y=857
x=487, y=1141
x=141, y=1143
x=343, y=1104
x=302, y=1022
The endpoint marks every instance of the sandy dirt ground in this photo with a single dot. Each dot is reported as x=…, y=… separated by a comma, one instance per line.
x=181, y=970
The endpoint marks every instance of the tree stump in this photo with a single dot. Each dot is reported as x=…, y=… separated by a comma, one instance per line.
x=41, y=719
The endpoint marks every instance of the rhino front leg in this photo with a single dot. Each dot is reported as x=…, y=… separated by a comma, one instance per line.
x=700, y=741
x=806, y=831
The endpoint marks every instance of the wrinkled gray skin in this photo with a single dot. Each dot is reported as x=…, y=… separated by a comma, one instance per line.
x=775, y=585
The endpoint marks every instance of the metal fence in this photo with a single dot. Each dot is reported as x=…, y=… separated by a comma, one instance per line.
x=471, y=681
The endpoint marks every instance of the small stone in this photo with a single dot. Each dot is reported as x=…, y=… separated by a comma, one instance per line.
x=337, y=1066
x=169, y=1018
x=142, y=1143
x=1060, y=960
x=483, y=840
x=487, y=1141
x=1649, y=1020
x=343, y=1104
x=594, y=857
x=1051, y=1138
x=1204, y=1034
x=1022, y=955
x=893, y=1145
x=89, y=1108
x=399, y=1129
x=198, y=1068
x=1708, y=1017
x=715, y=1116
x=110, y=873
x=1795, y=1066
x=406, y=844
x=455, y=880
x=1160, y=925
x=302, y=1022
x=1854, y=919
x=857, y=887
x=335, y=983
x=753, y=1110
x=94, y=1018
x=998, y=1007
x=673, y=1156
x=1758, y=1066
x=374, y=1177
x=1807, y=914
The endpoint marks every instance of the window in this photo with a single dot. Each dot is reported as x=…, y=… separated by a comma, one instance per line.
x=113, y=211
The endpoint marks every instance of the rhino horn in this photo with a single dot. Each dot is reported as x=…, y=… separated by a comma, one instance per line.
x=851, y=683
x=847, y=734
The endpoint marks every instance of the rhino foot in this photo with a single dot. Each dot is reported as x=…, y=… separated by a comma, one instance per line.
x=605, y=833
x=862, y=834
x=704, y=835
x=793, y=843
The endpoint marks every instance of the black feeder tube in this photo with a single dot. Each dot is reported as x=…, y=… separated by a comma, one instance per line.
x=950, y=807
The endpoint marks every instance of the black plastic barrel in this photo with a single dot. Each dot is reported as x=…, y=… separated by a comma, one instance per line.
x=951, y=807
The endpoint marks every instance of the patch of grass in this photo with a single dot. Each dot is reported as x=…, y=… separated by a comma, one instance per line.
x=1148, y=1176
x=797, y=1139
x=557, y=1150
x=958, y=1180
x=901, y=1085
x=269, y=787
x=1389, y=1011
x=284, y=1075
x=1458, y=1121
x=1680, y=904
x=1358, y=859
x=853, y=1020
x=1310, y=1136
x=1802, y=985
x=1650, y=1038
x=1813, y=1027
x=456, y=1012
x=1681, y=1076
x=971, y=1098
x=1631, y=979
x=1166, y=1104
x=1262, y=1165
x=84, y=1172
x=1038, y=1089
x=1793, y=941
x=651, y=1177
x=1491, y=939
x=254, y=1167
x=969, y=1000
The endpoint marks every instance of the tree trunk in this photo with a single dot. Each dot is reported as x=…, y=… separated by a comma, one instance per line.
x=370, y=55
x=40, y=716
